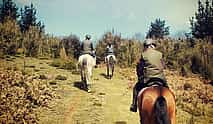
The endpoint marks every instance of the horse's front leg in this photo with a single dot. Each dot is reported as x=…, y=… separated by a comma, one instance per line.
x=82, y=76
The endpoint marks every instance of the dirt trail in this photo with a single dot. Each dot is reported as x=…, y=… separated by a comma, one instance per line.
x=107, y=104
x=110, y=99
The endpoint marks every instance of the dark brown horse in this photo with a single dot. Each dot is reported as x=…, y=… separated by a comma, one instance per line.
x=156, y=106
x=110, y=66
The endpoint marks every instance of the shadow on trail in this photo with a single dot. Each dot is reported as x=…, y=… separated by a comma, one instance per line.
x=104, y=75
x=120, y=122
x=80, y=85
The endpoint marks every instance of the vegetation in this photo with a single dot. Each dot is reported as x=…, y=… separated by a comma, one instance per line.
x=202, y=23
x=158, y=29
x=23, y=36
x=20, y=96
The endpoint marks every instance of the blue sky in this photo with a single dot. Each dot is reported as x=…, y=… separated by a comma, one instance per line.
x=80, y=17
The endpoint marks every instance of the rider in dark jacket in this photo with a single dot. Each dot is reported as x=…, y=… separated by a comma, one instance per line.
x=109, y=52
x=149, y=70
x=87, y=46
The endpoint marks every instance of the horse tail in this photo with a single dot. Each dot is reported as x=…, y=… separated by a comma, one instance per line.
x=160, y=111
x=84, y=62
x=111, y=60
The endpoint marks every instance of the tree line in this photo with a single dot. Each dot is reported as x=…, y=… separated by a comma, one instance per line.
x=22, y=33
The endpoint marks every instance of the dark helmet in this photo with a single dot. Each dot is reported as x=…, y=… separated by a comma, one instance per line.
x=149, y=42
x=88, y=37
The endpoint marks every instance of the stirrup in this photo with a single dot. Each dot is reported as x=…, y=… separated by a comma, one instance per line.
x=133, y=108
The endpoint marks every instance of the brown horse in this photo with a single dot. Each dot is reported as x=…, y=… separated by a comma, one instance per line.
x=156, y=106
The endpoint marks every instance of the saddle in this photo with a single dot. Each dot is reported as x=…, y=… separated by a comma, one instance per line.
x=156, y=81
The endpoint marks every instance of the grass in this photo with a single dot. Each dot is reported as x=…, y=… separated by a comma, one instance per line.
x=187, y=110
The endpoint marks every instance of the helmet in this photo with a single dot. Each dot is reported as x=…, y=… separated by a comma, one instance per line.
x=148, y=42
x=88, y=36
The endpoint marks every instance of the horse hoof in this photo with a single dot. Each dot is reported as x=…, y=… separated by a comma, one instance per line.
x=89, y=91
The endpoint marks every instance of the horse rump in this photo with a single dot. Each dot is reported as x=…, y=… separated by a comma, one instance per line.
x=160, y=111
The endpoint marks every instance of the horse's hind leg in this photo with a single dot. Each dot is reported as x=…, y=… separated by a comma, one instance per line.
x=112, y=70
x=82, y=77
x=88, y=79
x=108, y=69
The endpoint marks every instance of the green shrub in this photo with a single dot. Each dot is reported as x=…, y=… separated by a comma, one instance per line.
x=68, y=65
x=187, y=86
x=43, y=77
x=56, y=63
x=62, y=64
x=60, y=77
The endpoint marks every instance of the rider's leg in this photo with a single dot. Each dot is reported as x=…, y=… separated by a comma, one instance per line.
x=114, y=58
x=136, y=90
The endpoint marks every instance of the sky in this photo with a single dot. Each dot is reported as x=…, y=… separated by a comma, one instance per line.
x=95, y=17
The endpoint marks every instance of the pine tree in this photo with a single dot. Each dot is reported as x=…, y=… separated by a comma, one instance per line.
x=202, y=23
x=158, y=29
x=8, y=9
x=28, y=18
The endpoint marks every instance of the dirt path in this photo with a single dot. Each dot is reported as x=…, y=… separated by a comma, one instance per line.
x=107, y=104
x=110, y=99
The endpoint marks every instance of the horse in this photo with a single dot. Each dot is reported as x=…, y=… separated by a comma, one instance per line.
x=156, y=105
x=86, y=63
x=110, y=61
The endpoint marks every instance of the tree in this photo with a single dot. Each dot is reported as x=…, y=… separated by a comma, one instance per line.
x=28, y=18
x=10, y=38
x=202, y=23
x=8, y=9
x=72, y=45
x=158, y=29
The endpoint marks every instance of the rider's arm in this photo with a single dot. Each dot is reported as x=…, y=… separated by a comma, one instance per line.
x=140, y=69
x=82, y=46
x=163, y=63
x=91, y=45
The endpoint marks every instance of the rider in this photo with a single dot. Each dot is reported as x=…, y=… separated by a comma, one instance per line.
x=87, y=46
x=109, y=52
x=149, y=70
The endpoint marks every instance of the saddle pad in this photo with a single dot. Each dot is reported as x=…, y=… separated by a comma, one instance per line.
x=141, y=91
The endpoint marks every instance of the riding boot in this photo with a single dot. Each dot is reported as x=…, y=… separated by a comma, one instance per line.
x=133, y=106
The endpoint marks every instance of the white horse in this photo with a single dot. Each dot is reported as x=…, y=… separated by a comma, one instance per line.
x=86, y=63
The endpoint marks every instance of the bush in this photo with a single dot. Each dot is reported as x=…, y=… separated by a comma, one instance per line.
x=56, y=63
x=68, y=65
x=62, y=64
x=187, y=86
x=43, y=77
x=60, y=77
x=20, y=98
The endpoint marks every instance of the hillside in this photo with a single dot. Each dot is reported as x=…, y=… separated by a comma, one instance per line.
x=110, y=99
